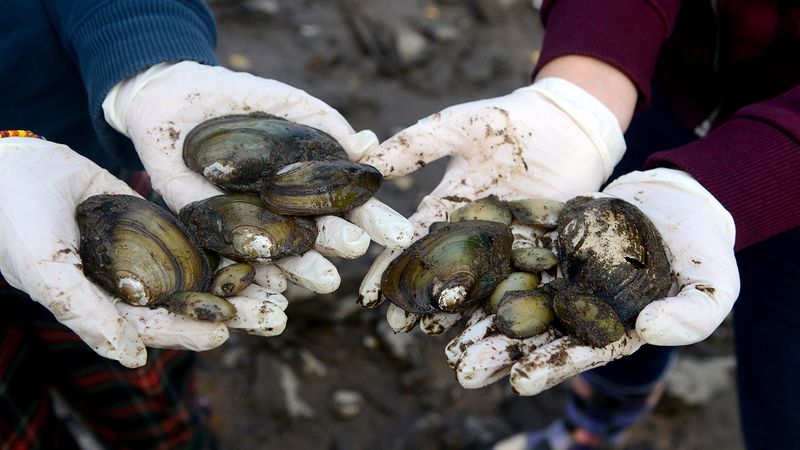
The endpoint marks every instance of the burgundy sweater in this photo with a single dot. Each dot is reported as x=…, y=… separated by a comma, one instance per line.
x=732, y=64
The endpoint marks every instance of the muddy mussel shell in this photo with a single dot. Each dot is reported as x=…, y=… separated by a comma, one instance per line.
x=237, y=152
x=313, y=188
x=522, y=314
x=230, y=280
x=487, y=208
x=587, y=317
x=610, y=248
x=201, y=306
x=137, y=250
x=239, y=227
x=471, y=254
x=533, y=259
x=536, y=211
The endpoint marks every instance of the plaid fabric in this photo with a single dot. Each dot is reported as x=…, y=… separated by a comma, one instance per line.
x=153, y=407
x=147, y=408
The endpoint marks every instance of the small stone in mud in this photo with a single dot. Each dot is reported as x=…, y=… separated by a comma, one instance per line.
x=347, y=404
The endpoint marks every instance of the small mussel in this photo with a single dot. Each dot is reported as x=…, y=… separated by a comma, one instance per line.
x=239, y=227
x=533, y=259
x=536, y=211
x=237, y=152
x=487, y=208
x=230, y=280
x=313, y=188
x=450, y=268
x=201, y=306
x=587, y=317
x=610, y=248
x=516, y=281
x=137, y=250
x=522, y=314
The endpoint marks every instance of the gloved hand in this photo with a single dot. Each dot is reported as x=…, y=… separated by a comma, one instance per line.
x=700, y=235
x=41, y=183
x=549, y=140
x=159, y=106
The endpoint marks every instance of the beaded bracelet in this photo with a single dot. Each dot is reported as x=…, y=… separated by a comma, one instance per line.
x=19, y=133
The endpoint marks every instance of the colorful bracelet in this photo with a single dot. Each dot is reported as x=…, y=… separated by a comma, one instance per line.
x=19, y=133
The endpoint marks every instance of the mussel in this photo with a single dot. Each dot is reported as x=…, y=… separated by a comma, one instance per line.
x=487, y=208
x=452, y=267
x=516, y=281
x=587, y=317
x=137, y=250
x=230, y=280
x=313, y=188
x=536, y=211
x=608, y=247
x=522, y=314
x=239, y=227
x=237, y=152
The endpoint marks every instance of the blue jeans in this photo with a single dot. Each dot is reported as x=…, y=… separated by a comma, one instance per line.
x=766, y=315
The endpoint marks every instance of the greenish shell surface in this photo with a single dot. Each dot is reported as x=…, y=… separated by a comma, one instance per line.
x=587, y=317
x=522, y=314
x=236, y=152
x=137, y=250
x=487, y=208
x=473, y=255
x=314, y=188
x=241, y=228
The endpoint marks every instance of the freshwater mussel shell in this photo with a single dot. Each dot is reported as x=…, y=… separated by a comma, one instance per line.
x=487, y=208
x=586, y=317
x=473, y=254
x=313, y=188
x=137, y=250
x=241, y=228
x=236, y=152
x=610, y=248
x=522, y=314
x=230, y=280
x=200, y=306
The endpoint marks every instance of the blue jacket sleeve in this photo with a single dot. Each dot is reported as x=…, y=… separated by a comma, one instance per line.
x=111, y=40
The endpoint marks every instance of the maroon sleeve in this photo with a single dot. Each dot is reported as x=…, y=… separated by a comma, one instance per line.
x=626, y=34
x=751, y=164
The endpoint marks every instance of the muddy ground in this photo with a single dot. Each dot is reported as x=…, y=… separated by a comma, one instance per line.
x=337, y=378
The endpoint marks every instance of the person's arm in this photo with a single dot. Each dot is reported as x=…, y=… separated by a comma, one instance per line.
x=113, y=40
x=624, y=34
x=603, y=81
x=751, y=165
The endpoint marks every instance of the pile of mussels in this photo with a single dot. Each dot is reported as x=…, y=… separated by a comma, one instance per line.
x=604, y=260
x=275, y=173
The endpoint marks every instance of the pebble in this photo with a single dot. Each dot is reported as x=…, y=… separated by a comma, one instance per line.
x=697, y=382
x=347, y=404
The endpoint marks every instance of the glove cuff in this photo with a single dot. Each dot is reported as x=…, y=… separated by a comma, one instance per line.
x=590, y=114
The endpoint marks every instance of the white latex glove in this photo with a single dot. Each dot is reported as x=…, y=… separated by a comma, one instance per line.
x=700, y=234
x=159, y=106
x=549, y=140
x=41, y=183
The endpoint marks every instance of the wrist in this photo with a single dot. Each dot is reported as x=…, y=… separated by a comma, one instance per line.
x=603, y=81
x=589, y=114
